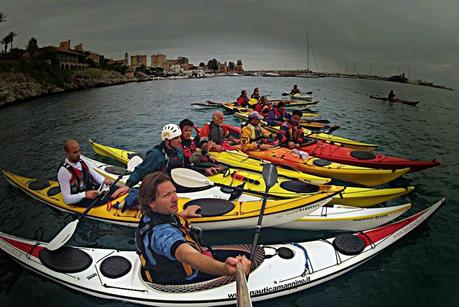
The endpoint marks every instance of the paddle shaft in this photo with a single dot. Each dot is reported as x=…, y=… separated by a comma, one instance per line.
x=242, y=290
x=258, y=227
x=101, y=195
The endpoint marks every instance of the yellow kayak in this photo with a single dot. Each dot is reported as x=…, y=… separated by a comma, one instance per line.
x=216, y=213
x=284, y=188
x=237, y=161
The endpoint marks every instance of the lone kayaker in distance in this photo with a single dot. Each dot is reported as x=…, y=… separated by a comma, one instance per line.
x=77, y=180
x=243, y=100
x=253, y=137
x=391, y=95
x=163, y=157
x=290, y=133
x=295, y=90
x=169, y=249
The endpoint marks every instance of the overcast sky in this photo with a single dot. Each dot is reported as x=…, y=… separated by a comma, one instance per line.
x=386, y=37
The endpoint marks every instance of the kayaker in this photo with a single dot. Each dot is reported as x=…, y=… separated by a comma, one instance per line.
x=163, y=157
x=77, y=180
x=243, y=100
x=169, y=248
x=253, y=137
x=391, y=95
x=255, y=94
x=277, y=115
x=295, y=90
x=290, y=133
x=190, y=146
x=215, y=133
x=263, y=106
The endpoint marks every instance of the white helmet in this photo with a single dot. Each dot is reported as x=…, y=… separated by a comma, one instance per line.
x=170, y=132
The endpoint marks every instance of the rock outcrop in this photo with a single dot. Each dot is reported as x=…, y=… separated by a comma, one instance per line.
x=15, y=86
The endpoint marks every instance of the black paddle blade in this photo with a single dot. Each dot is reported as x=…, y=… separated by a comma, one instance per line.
x=269, y=174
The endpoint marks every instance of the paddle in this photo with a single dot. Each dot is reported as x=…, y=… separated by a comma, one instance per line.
x=270, y=177
x=242, y=290
x=288, y=94
x=67, y=232
x=191, y=179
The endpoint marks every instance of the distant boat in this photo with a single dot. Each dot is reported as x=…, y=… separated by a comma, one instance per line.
x=270, y=74
x=234, y=74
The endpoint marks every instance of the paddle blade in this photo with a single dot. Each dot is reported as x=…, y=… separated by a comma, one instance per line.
x=133, y=162
x=189, y=178
x=285, y=94
x=63, y=236
x=269, y=175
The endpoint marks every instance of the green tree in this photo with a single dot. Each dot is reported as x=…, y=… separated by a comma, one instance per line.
x=212, y=64
x=12, y=35
x=2, y=17
x=5, y=41
x=32, y=45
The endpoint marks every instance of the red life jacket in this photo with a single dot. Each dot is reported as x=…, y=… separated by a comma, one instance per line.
x=81, y=181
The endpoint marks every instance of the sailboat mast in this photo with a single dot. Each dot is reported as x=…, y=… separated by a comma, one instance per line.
x=307, y=50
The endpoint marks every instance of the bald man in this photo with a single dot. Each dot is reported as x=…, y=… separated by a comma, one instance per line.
x=78, y=180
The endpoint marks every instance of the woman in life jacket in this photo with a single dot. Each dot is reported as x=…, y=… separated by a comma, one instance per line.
x=169, y=252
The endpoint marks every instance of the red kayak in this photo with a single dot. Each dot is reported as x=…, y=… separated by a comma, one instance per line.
x=349, y=156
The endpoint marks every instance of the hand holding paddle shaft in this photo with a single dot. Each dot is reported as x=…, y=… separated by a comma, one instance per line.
x=67, y=232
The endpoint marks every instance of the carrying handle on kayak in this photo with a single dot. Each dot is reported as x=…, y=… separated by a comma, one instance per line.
x=67, y=232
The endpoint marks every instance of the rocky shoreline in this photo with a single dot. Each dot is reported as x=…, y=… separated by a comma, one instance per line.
x=18, y=86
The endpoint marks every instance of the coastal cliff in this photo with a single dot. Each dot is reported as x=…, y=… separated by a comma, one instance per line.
x=21, y=86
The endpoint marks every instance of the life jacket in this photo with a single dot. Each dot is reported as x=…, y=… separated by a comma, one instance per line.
x=188, y=148
x=216, y=133
x=164, y=270
x=242, y=101
x=256, y=135
x=278, y=115
x=81, y=181
x=295, y=91
x=173, y=158
x=291, y=132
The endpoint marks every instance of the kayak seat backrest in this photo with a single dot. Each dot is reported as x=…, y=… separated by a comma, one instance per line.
x=38, y=184
x=115, y=267
x=348, y=244
x=363, y=155
x=219, y=253
x=211, y=206
x=65, y=259
x=116, y=170
x=53, y=191
x=132, y=155
x=299, y=186
x=321, y=162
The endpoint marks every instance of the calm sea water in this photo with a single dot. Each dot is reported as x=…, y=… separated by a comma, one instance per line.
x=422, y=269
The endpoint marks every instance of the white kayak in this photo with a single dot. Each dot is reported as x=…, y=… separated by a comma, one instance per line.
x=279, y=269
x=301, y=97
x=346, y=218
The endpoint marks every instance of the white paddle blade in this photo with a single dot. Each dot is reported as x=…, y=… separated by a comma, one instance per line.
x=189, y=178
x=133, y=162
x=63, y=236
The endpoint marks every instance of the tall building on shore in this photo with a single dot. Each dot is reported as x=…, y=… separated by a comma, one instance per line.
x=158, y=60
x=137, y=60
x=239, y=66
x=126, y=59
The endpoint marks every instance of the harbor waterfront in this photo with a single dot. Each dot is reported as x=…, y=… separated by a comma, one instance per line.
x=420, y=270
